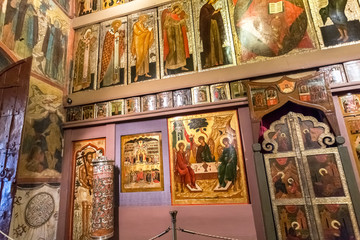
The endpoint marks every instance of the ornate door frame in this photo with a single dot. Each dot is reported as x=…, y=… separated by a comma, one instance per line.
x=305, y=176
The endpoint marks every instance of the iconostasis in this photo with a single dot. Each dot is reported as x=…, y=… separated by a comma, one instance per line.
x=179, y=162
x=199, y=158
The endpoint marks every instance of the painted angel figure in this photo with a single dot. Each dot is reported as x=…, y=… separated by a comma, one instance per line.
x=113, y=50
x=183, y=167
x=176, y=46
x=203, y=150
x=142, y=40
x=228, y=163
x=83, y=78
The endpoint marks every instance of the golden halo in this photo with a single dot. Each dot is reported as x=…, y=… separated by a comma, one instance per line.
x=115, y=22
x=177, y=144
x=282, y=174
x=333, y=222
x=295, y=224
x=290, y=180
x=222, y=138
x=88, y=31
x=322, y=170
x=305, y=130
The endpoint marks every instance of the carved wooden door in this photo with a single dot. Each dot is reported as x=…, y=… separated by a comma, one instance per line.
x=14, y=88
x=308, y=190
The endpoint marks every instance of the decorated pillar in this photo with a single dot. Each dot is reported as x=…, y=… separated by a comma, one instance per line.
x=103, y=199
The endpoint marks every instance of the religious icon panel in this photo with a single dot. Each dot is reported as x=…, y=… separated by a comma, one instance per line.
x=132, y=105
x=307, y=182
x=350, y=104
x=238, y=89
x=206, y=160
x=177, y=40
x=117, y=107
x=84, y=152
x=148, y=103
x=336, y=221
x=74, y=114
x=264, y=29
x=352, y=70
x=182, y=97
x=220, y=92
x=143, y=46
x=88, y=112
x=213, y=35
x=141, y=163
x=101, y=110
x=325, y=176
x=85, y=51
x=335, y=74
x=42, y=143
x=353, y=129
x=284, y=178
x=336, y=22
x=293, y=222
x=112, y=3
x=200, y=94
x=113, y=53
x=83, y=7
x=164, y=100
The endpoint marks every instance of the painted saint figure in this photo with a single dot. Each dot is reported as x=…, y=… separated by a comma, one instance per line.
x=228, y=164
x=83, y=78
x=142, y=40
x=54, y=50
x=176, y=46
x=212, y=34
x=203, y=153
x=183, y=167
x=86, y=171
x=335, y=10
x=21, y=27
x=113, y=50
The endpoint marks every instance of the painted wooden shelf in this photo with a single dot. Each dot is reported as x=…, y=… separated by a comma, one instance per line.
x=166, y=112
x=280, y=65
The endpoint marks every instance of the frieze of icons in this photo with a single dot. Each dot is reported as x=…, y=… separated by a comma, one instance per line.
x=163, y=100
x=185, y=37
x=337, y=74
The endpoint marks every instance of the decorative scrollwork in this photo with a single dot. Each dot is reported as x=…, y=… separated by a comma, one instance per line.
x=326, y=138
x=274, y=133
x=269, y=146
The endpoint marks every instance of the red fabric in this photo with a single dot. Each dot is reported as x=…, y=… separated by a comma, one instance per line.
x=165, y=36
x=185, y=171
x=290, y=14
x=291, y=208
x=333, y=208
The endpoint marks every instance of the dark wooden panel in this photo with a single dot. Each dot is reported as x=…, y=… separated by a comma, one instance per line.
x=5, y=123
x=14, y=88
x=8, y=101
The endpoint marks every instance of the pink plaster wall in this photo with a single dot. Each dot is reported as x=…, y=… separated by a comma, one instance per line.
x=234, y=221
x=143, y=222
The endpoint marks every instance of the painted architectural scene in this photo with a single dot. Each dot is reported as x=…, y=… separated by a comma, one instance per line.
x=141, y=163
